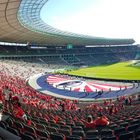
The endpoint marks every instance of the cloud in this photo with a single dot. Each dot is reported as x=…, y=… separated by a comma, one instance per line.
x=109, y=18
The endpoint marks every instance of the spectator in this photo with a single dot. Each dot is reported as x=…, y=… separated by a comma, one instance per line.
x=102, y=120
x=1, y=97
x=111, y=110
x=139, y=97
x=63, y=106
x=116, y=110
x=18, y=111
x=7, y=96
x=15, y=100
x=126, y=101
x=90, y=123
x=130, y=100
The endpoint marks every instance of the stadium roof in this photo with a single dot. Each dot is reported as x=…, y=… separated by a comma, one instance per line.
x=20, y=22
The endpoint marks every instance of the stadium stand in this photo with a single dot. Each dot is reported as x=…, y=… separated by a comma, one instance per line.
x=28, y=114
x=53, y=118
x=77, y=56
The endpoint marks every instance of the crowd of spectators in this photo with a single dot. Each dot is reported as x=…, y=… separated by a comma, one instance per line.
x=27, y=105
x=13, y=83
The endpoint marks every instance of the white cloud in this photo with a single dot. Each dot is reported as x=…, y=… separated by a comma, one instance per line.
x=112, y=18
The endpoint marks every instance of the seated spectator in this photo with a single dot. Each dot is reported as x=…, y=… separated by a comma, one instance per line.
x=15, y=101
x=90, y=123
x=111, y=109
x=6, y=135
x=102, y=120
x=7, y=96
x=130, y=100
x=18, y=111
x=115, y=110
x=126, y=101
x=1, y=97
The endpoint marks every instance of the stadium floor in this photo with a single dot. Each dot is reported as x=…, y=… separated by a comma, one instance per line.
x=39, y=82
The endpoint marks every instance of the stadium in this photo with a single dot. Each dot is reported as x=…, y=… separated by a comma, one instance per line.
x=60, y=85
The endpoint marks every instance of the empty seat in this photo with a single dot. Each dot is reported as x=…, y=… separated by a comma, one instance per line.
x=31, y=134
x=106, y=132
x=57, y=136
x=64, y=131
x=126, y=136
x=18, y=125
x=135, y=121
x=118, y=131
x=77, y=128
x=40, y=126
x=29, y=129
x=73, y=138
x=10, y=122
x=79, y=124
x=113, y=126
x=133, y=127
x=137, y=133
x=54, y=125
x=66, y=127
x=12, y=130
x=92, y=133
x=45, y=123
x=26, y=137
x=124, y=124
x=51, y=129
x=78, y=133
x=109, y=138
x=93, y=138
x=2, y=125
x=42, y=133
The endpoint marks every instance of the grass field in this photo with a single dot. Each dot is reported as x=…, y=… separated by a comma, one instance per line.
x=123, y=70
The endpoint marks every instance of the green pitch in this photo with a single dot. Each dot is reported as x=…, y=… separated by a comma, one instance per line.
x=123, y=70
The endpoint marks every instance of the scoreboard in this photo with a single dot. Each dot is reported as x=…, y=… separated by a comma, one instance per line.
x=69, y=46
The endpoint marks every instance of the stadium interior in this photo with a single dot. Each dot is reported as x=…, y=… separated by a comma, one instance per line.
x=43, y=97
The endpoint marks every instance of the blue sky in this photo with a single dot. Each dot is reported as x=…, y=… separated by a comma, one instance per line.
x=101, y=18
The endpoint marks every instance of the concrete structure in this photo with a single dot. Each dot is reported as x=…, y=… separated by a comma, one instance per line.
x=20, y=22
